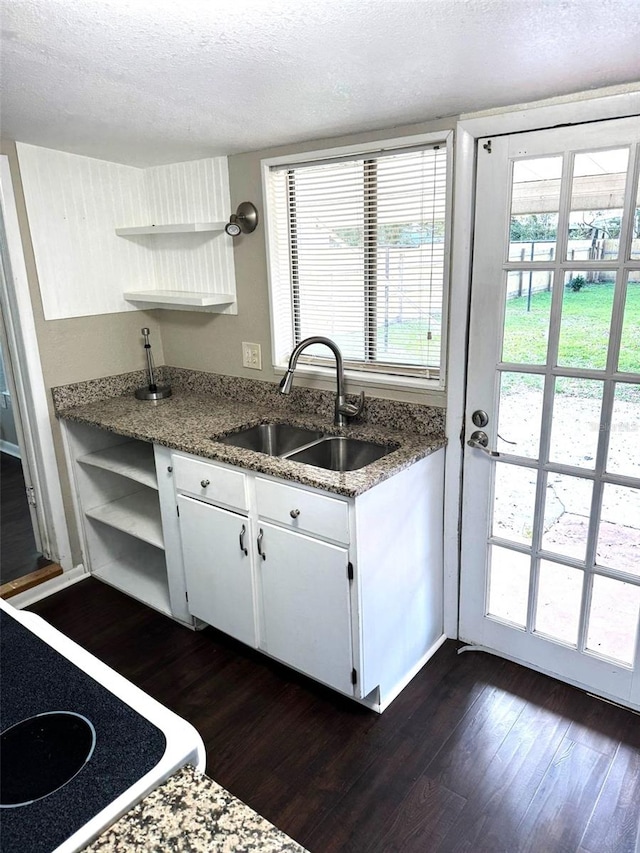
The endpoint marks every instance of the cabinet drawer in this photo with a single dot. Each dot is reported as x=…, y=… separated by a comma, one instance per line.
x=301, y=510
x=214, y=482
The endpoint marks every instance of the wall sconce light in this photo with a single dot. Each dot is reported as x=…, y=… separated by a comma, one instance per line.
x=243, y=221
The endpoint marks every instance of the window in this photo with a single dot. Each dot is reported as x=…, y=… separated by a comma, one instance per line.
x=358, y=247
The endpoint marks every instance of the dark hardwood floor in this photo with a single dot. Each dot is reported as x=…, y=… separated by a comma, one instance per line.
x=18, y=553
x=476, y=754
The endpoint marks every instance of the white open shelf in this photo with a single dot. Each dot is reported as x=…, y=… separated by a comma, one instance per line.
x=137, y=514
x=179, y=297
x=145, y=580
x=179, y=228
x=134, y=460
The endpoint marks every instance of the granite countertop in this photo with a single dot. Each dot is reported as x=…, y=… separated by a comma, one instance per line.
x=193, y=422
x=191, y=813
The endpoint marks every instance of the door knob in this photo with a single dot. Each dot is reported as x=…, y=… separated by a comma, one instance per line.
x=480, y=441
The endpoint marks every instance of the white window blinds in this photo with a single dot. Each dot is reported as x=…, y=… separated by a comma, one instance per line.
x=358, y=254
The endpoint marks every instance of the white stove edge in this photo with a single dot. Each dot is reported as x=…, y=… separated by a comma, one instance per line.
x=184, y=744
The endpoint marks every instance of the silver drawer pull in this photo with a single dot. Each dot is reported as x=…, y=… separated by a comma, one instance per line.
x=205, y=483
x=242, y=533
x=294, y=513
x=260, y=551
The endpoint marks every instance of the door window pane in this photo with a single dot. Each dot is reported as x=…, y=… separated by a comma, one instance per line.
x=635, y=237
x=513, y=502
x=597, y=200
x=587, y=301
x=520, y=393
x=613, y=618
x=629, y=359
x=509, y=585
x=558, y=603
x=526, y=321
x=535, y=199
x=624, y=435
x=619, y=531
x=566, y=515
x=575, y=427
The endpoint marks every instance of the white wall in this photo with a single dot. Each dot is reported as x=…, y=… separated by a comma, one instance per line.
x=75, y=204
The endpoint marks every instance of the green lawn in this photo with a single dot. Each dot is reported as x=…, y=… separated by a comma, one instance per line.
x=584, y=338
x=584, y=333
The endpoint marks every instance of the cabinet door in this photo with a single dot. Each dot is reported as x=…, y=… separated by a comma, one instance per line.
x=307, y=605
x=217, y=571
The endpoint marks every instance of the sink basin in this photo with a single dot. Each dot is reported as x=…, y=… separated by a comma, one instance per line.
x=341, y=454
x=274, y=439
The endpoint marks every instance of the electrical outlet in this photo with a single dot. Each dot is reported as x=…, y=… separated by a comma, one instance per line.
x=251, y=356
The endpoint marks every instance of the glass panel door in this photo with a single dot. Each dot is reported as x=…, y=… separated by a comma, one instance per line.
x=551, y=516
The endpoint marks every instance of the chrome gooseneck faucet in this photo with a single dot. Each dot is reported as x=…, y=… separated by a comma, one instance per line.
x=343, y=409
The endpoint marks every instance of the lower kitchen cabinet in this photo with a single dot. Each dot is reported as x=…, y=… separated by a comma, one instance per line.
x=346, y=590
x=306, y=605
x=119, y=515
x=217, y=567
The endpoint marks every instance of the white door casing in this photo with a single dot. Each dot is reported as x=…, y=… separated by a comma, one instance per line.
x=31, y=394
x=490, y=269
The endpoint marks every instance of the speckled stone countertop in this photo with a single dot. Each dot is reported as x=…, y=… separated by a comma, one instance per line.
x=191, y=813
x=202, y=410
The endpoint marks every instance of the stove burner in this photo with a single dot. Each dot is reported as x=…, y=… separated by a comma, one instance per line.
x=41, y=754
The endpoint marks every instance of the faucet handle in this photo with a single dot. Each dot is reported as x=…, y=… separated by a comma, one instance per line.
x=352, y=410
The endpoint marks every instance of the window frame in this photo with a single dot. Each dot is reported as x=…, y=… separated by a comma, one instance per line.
x=367, y=377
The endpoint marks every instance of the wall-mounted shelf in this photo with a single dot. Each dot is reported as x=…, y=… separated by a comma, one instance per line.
x=184, y=299
x=194, y=298
x=183, y=228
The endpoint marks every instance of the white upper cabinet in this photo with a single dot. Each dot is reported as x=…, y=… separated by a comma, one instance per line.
x=110, y=238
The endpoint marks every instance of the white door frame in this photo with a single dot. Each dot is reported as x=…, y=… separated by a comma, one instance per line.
x=32, y=399
x=468, y=130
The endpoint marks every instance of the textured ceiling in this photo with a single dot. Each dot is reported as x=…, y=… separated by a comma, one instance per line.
x=157, y=81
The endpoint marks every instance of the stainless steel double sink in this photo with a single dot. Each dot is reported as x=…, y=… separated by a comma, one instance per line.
x=331, y=452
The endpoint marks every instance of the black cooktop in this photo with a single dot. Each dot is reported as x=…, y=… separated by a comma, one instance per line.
x=69, y=745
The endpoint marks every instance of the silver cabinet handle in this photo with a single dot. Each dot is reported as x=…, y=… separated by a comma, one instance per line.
x=205, y=483
x=260, y=551
x=242, y=548
x=294, y=513
x=479, y=440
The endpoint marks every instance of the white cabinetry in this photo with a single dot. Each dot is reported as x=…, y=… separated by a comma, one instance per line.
x=345, y=590
x=348, y=591
x=120, y=517
x=217, y=567
x=306, y=605
x=305, y=581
